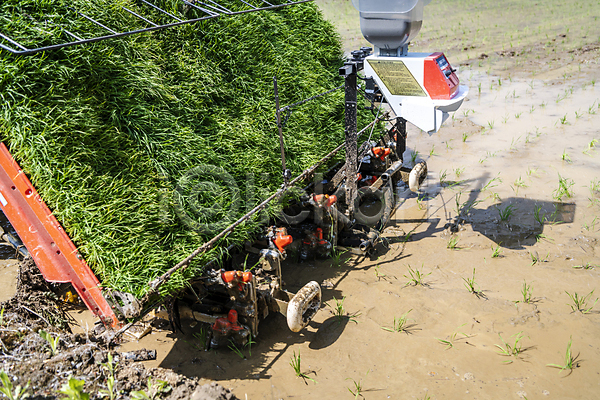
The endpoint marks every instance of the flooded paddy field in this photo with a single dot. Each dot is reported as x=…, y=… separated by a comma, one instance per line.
x=485, y=286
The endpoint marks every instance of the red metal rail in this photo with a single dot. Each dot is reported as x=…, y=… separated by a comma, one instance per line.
x=51, y=248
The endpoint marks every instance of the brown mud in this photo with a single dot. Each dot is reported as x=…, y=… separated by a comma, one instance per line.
x=29, y=360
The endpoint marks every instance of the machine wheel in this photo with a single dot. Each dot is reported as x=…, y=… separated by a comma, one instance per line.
x=417, y=176
x=303, y=306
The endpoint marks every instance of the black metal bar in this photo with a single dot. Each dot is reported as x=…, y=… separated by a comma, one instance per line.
x=140, y=17
x=209, y=12
x=94, y=21
x=351, y=140
x=153, y=28
x=161, y=10
x=228, y=11
x=13, y=42
x=72, y=34
x=249, y=5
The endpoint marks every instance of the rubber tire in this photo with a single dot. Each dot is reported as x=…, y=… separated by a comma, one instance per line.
x=304, y=306
x=417, y=176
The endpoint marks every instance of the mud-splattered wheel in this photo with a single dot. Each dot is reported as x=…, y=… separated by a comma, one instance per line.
x=417, y=176
x=304, y=306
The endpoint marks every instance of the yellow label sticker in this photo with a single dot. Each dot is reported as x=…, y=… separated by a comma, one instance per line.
x=397, y=78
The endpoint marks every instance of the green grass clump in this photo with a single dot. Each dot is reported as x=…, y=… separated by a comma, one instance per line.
x=114, y=135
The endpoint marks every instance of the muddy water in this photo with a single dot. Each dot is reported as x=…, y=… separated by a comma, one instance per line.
x=521, y=135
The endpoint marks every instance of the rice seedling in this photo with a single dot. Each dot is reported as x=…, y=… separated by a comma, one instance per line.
x=449, y=342
x=400, y=324
x=520, y=182
x=591, y=146
x=526, y=294
x=236, y=350
x=532, y=172
x=19, y=393
x=452, y=243
x=586, y=226
x=492, y=183
x=51, y=340
x=535, y=258
x=490, y=124
x=356, y=391
x=496, y=251
x=564, y=188
x=295, y=363
x=580, y=303
x=421, y=205
x=249, y=345
x=594, y=191
x=565, y=157
x=339, y=311
x=378, y=274
x=472, y=286
x=443, y=176
x=415, y=277
x=585, y=266
x=506, y=212
x=336, y=258
x=465, y=136
x=570, y=362
x=511, y=350
x=413, y=157
x=563, y=120
x=432, y=151
x=540, y=219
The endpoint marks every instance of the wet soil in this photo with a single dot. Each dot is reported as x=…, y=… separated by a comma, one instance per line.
x=30, y=362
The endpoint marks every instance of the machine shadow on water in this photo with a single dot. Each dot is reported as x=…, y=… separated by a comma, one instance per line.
x=518, y=222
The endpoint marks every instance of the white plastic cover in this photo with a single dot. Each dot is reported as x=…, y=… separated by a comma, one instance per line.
x=386, y=6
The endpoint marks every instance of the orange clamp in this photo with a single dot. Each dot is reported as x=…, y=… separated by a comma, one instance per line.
x=381, y=152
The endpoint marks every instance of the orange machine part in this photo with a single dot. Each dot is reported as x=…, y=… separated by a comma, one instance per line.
x=51, y=248
x=381, y=152
x=239, y=277
x=282, y=240
x=440, y=81
x=327, y=200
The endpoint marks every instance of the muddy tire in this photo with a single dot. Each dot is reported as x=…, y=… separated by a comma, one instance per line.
x=417, y=176
x=304, y=306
